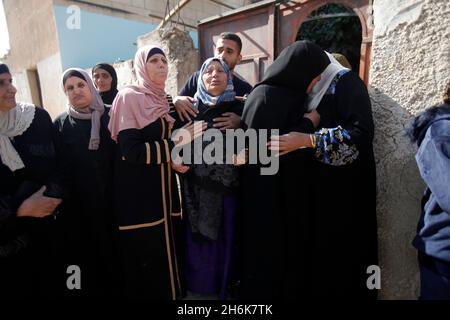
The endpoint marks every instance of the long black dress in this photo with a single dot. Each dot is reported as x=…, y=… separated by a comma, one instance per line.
x=147, y=204
x=342, y=227
x=86, y=225
x=310, y=231
x=272, y=203
x=26, y=241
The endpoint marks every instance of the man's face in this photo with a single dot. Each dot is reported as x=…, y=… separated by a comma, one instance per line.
x=228, y=50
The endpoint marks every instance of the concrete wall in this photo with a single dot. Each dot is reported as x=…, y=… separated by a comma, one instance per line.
x=32, y=32
x=34, y=57
x=410, y=64
x=20, y=80
x=194, y=11
x=152, y=11
x=53, y=98
x=125, y=73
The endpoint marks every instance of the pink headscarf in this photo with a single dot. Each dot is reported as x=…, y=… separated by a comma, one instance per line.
x=138, y=105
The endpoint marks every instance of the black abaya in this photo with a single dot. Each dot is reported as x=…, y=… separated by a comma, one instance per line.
x=86, y=225
x=26, y=241
x=272, y=203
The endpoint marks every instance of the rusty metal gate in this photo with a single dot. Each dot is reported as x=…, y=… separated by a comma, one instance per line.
x=267, y=27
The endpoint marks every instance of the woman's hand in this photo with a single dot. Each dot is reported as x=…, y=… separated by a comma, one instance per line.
x=288, y=142
x=189, y=132
x=38, y=205
x=184, y=107
x=228, y=120
x=240, y=158
x=178, y=166
x=314, y=116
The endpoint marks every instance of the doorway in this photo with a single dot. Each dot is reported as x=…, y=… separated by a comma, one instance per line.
x=35, y=87
x=336, y=29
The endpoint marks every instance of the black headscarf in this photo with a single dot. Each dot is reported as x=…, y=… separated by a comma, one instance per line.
x=282, y=92
x=4, y=68
x=153, y=51
x=296, y=66
x=108, y=96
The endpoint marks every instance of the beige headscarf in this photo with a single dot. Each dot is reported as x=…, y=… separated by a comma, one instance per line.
x=93, y=113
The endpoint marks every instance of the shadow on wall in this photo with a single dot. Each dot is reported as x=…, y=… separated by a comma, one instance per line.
x=399, y=191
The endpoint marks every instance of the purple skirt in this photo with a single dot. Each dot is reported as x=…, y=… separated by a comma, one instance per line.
x=208, y=263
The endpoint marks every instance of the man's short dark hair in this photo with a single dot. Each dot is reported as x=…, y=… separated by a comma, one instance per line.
x=233, y=37
x=4, y=68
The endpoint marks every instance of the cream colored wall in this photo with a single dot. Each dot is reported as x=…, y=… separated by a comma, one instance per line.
x=34, y=46
x=32, y=32
x=53, y=98
x=50, y=71
x=20, y=80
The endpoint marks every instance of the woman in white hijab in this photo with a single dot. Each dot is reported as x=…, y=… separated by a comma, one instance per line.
x=29, y=194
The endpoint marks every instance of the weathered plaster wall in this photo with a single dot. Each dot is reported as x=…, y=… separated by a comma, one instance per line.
x=32, y=32
x=35, y=52
x=410, y=64
x=194, y=11
x=53, y=98
x=20, y=80
x=125, y=73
